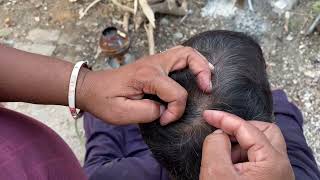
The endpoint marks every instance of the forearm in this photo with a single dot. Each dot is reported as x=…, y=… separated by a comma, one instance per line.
x=26, y=77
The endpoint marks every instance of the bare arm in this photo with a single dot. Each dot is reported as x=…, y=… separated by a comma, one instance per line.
x=110, y=95
x=33, y=78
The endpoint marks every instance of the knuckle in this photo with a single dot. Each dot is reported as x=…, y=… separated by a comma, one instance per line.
x=186, y=50
x=175, y=115
x=184, y=94
x=145, y=74
x=146, y=71
x=182, y=97
x=189, y=49
x=211, y=138
x=275, y=127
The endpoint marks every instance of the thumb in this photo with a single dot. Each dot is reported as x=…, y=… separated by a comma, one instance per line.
x=128, y=111
x=216, y=157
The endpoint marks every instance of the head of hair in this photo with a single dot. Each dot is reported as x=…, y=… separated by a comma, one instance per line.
x=240, y=87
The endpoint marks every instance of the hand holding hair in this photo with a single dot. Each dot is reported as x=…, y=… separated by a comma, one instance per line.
x=267, y=155
x=112, y=95
x=116, y=95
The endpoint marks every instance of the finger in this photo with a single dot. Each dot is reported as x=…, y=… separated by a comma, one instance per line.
x=128, y=111
x=171, y=92
x=216, y=157
x=273, y=133
x=183, y=57
x=249, y=137
x=238, y=154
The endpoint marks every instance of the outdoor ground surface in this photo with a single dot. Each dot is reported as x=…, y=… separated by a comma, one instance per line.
x=53, y=28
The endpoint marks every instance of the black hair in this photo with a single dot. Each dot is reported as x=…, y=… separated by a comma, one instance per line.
x=240, y=87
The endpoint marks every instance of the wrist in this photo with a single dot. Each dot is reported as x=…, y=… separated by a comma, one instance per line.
x=82, y=89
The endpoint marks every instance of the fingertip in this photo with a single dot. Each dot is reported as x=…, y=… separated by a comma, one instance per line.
x=167, y=117
x=164, y=119
x=204, y=81
x=212, y=116
x=208, y=114
x=218, y=131
x=164, y=122
x=162, y=109
x=214, y=112
x=211, y=66
x=209, y=89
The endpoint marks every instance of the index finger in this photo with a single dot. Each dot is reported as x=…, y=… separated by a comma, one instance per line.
x=181, y=57
x=249, y=137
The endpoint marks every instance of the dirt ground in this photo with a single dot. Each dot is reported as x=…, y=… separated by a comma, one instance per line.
x=53, y=27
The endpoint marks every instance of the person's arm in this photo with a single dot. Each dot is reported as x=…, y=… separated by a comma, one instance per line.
x=111, y=95
x=27, y=77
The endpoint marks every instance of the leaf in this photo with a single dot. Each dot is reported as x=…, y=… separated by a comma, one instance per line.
x=148, y=12
x=316, y=7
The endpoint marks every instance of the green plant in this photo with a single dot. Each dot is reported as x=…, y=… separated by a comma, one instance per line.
x=316, y=7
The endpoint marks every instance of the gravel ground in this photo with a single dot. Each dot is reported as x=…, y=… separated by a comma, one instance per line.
x=53, y=28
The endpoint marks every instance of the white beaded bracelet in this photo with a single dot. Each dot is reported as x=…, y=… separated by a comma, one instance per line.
x=72, y=89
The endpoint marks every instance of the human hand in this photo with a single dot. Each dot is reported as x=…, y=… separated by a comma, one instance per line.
x=266, y=153
x=270, y=130
x=116, y=95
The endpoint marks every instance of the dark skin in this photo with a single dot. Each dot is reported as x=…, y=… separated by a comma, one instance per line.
x=115, y=96
x=33, y=78
x=262, y=152
x=111, y=95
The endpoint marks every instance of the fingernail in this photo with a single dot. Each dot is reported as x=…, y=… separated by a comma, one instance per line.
x=201, y=55
x=163, y=123
x=211, y=112
x=210, y=86
x=162, y=109
x=237, y=168
x=211, y=66
x=218, y=131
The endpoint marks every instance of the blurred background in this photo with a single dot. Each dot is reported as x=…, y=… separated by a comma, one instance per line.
x=287, y=30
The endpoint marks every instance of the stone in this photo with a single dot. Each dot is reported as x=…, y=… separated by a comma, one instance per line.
x=37, y=48
x=114, y=63
x=78, y=47
x=311, y=74
x=281, y=6
x=128, y=59
x=43, y=36
x=178, y=35
x=302, y=46
x=37, y=19
x=216, y=8
x=164, y=21
x=289, y=37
